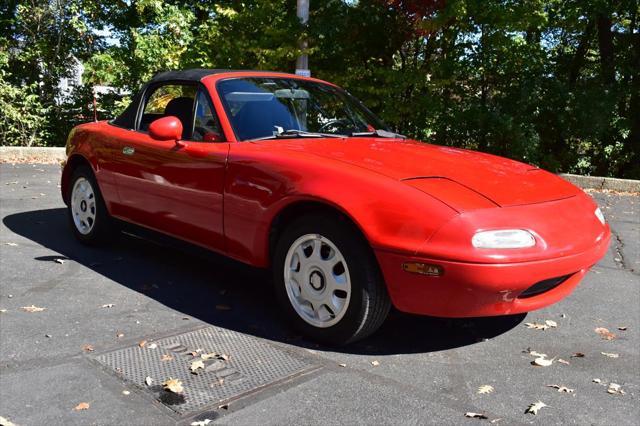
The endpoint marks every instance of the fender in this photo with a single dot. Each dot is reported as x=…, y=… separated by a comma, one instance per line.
x=260, y=184
x=82, y=143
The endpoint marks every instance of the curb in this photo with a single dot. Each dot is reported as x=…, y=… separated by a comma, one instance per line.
x=22, y=154
x=10, y=154
x=603, y=183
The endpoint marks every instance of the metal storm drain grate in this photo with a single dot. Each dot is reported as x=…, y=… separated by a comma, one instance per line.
x=252, y=364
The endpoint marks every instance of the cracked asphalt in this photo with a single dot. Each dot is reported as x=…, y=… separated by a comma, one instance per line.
x=428, y=370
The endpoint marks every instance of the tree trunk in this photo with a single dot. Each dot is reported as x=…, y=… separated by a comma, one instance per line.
x=581, y=51
x=605, y=46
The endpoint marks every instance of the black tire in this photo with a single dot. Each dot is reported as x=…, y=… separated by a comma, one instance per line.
x=369, y=302
x=103, y=229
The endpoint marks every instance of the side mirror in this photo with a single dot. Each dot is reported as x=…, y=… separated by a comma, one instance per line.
x=166, y=129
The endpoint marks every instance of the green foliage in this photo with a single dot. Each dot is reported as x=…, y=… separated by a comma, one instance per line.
x=551, y=82
x=21, y=113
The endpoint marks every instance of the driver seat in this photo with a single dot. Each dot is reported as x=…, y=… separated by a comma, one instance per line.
x=182, y=108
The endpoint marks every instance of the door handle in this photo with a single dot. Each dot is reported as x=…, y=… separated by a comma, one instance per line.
x=127, y=150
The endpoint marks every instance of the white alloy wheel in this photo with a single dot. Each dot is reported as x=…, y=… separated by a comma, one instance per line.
x=316, y=277
x=83, y=205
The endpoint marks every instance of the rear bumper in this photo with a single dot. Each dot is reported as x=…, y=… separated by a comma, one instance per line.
x=479, y=289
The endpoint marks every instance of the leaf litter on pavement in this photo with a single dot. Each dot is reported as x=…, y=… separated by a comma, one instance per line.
x=535, y=407
x=32, y=308
x=561, y=388
x=484, y=389
x=82, y=406
x=605, y=333
x=173, y=385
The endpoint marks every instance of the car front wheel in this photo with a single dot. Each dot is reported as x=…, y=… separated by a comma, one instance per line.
x=328, y=281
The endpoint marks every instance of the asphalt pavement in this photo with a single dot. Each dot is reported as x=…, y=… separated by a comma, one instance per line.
x=85, y=358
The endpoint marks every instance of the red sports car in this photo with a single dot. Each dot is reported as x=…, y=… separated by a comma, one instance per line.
x=295, y=174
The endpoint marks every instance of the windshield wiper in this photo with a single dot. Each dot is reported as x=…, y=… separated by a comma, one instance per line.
x=295, y=133
x=379, y=133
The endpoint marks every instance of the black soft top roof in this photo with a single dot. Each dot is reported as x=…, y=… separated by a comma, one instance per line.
x=128, y=117
x=195, y=74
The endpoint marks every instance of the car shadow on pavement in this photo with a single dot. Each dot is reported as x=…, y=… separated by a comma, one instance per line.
x=228, y=294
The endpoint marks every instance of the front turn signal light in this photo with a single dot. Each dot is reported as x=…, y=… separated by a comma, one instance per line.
x=423, y=269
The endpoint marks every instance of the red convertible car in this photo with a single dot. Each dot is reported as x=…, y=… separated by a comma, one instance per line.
x=295, y=174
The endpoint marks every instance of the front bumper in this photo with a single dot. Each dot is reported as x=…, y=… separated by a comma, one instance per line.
x=483, y=289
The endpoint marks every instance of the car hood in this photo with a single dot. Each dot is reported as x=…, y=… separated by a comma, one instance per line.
x=502, y=181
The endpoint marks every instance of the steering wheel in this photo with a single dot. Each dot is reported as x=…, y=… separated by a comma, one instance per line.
x=336, y=123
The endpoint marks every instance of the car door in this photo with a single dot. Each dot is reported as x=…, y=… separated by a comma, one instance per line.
x=176, y=188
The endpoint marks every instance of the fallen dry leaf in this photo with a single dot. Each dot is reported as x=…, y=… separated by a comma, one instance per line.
x=148, y=380
x=533, y=408
x=562, y=361
x=223, y=307
x=536, y=354
x=475, y=415
x=536, y=326
x=610, y=355
x=551, y=323
x=5, y=422
x=204, y=422
x=81, y=406
x=173, y=385
x=142, y=343
x=542, y=362
x=561, y=388
x=108, y=305
x=195, y=365
x=375, y=363
x=32, y=308
x=87, y=348
x=152, y=346
x=485, y=389
x=605, y=333
x=209, y=356
x=615, y=389
x=577, y=355
x=166, y=357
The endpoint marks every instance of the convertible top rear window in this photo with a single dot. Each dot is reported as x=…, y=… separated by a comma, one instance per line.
x=259, y=107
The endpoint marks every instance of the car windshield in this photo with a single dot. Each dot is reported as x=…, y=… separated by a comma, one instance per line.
x=270, y=108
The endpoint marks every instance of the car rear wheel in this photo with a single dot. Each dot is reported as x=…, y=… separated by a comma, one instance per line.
x=328, y=281
x=90, y=221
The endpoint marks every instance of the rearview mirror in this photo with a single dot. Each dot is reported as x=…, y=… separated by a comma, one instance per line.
x=166, y=129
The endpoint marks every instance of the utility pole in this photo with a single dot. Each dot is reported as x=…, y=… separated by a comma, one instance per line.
x=302, y=64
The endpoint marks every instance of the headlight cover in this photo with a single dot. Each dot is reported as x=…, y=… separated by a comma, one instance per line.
x=503, y=239
x=599, y=215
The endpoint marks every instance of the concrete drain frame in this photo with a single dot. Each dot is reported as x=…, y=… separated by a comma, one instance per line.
x=253, y=365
